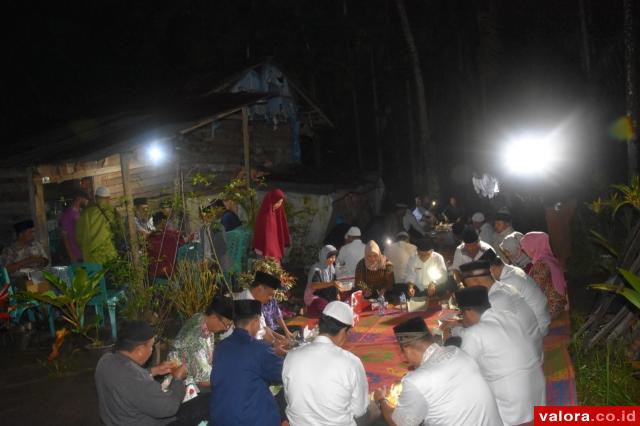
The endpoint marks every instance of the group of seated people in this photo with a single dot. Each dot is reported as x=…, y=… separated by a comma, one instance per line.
x=488, y=372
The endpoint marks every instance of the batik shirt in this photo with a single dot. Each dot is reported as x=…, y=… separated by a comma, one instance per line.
x=17, y=252
x=194, y=344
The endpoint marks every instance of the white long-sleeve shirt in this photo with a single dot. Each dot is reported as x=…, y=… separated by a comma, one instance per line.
x=399, y=254
x=503, y=297
x=530, y=292
x=487, y=233
x=349, y=256
x=462, y=256
x=433, y=394
x=421, y=274
x=324, y=385
x=508, y=363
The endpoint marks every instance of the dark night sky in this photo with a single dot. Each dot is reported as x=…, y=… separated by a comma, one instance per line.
x=78, y=58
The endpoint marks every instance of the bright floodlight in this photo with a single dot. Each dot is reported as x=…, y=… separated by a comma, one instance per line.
x=434, y=273
x=530, y=155
x=156, y=153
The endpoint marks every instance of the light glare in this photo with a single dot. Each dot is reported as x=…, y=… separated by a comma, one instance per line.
x=530, y=155
x=156, y=154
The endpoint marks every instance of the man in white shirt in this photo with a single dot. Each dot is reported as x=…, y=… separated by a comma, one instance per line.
x=350, y=254
x=323, y=383
x=502, y=226
x=263, y=289
x=425, y=270
x=484, y=229
x=471, y=249
x=505, y=355
x=445, y=387
x=503, y=297
x=411, y=225
x=526, y=286
x=399, y=254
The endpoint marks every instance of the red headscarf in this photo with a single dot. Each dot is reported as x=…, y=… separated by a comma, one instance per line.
x=271, y=233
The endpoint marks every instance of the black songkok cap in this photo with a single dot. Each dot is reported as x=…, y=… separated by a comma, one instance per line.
x=489, y=255
x=503, y=216
x=424, y=244
x=469, y=235
x=246, y=309
x=267, y=279
x=136, y=331
x=23, y=226
x=473, y=297
x=222, y=306
x=141, y=201
x=411, y=330
x=479, y=268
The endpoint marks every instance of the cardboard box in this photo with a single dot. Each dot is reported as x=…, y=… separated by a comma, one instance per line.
x=39, y=287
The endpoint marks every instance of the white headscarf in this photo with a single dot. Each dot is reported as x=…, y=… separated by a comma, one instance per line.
x=511, y=244
x=326, y=272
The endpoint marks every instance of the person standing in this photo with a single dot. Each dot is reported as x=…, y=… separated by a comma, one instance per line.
x=243, y=369
x=67, y=223
x=444, y=387
x=271, y=231
x=507, y=359
x=95, y=228
x=546, y=271
x=350, y=253
x=162, y=248
x=399, y=254
x=144, y=221
x=323, y=383
x=230, y=219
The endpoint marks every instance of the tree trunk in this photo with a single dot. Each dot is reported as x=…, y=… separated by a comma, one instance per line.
x=376, y=113
x=586, y=57
x=427, y=152
x=630, y=92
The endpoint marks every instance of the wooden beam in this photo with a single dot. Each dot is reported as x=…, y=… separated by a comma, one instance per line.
x=125, y=159
x=245, y=141
x=39, y=212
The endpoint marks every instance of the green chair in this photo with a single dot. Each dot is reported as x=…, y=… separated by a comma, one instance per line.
x=238, y=242
x=191, y=251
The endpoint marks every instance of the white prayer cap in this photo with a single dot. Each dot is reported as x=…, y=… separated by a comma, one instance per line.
x=477, y=217
x=103, y=192
x=339, y=311
x=354, y=231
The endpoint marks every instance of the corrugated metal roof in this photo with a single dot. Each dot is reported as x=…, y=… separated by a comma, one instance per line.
x=95, y=138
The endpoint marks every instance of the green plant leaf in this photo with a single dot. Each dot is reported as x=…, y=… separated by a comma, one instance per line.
x=631, y=278
x=603, y=242
x=629, y=294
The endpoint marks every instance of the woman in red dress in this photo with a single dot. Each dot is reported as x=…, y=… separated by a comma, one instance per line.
x=271, y=232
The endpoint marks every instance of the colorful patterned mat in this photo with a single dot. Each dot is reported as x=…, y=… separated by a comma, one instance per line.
x=372, y=340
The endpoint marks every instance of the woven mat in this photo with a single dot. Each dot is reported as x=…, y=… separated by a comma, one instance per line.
x=372, y=340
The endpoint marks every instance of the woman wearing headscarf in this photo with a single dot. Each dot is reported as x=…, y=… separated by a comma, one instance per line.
x=374, y=271
x=322, y=286
x=271, y=232
x=546, y=270
x=510, y=247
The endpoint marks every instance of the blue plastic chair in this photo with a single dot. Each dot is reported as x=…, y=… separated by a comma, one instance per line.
x=20, y=307
x=105, y=298
x=191, y=251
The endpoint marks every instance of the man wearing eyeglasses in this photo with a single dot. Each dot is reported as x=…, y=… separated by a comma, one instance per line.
x=195, y=341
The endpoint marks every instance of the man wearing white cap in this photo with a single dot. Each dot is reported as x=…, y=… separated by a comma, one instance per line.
x=94, y=229
x=323, y=383
x=350, y=253
x=484, y=229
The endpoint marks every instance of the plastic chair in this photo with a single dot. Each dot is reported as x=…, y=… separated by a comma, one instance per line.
x=191, y=251
x=105, y=297
x=8, y=298
x=237, y=247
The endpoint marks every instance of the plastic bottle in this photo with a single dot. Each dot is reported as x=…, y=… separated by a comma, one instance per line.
x=403, y=302
x=381, y=305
